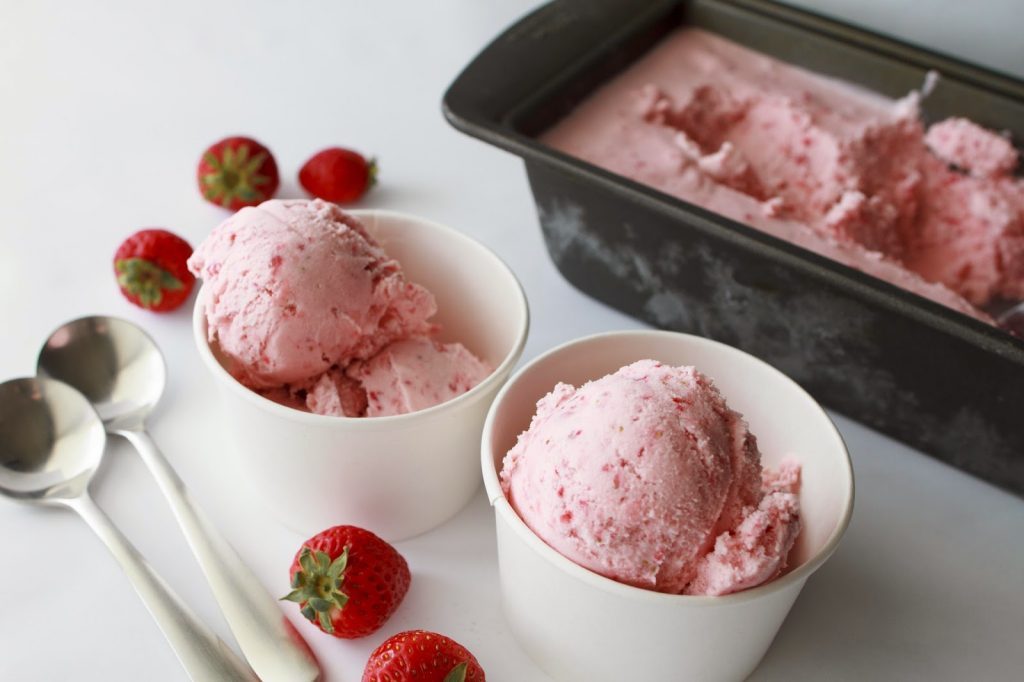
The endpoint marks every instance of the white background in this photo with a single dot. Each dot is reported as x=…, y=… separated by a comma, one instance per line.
x=104, y=110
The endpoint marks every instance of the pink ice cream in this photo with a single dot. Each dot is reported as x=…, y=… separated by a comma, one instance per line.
x=978, y=151
x=416, y=373
x=836, y=169
x=647, y=477
x=297, y=293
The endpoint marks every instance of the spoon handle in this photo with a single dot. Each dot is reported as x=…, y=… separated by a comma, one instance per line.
x=204, y=656
x=269, y=641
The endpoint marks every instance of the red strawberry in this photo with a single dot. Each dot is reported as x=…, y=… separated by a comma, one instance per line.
x=237, y=172
x=348, y=581
x=422, y=656
x=338, y=175
x=151, y=271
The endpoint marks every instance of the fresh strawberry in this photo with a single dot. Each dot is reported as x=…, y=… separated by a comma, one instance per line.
x=151, y=271
x=422, y=656
x=237, y=172
x=338, y=175
x=348, y=581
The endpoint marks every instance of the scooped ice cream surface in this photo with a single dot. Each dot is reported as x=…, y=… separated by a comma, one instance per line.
x=298, y=286
x=298, y=292
x=832, y=167
x=647, y=477
x=416, y=373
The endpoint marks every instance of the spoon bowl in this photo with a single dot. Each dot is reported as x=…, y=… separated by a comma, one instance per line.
x=112, y=362
x=121, y=371
x=51, y=440
x=51, y=444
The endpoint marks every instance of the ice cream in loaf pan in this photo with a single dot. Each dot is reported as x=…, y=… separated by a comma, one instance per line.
x=834, y=168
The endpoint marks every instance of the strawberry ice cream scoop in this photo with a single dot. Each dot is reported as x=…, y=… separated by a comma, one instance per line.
x=405, y=376
x=416, y=373
x=297, y=287
x=309, y=311
x=647, y=477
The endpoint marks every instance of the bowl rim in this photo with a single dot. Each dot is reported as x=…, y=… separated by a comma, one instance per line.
x=505, y=513
x=497, y=376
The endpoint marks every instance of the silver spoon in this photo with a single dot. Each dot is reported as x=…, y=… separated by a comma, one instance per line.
x=1012, y=320
x=121, y=372
x=51, y=443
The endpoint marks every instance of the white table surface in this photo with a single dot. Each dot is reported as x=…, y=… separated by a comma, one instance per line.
x=104, y=109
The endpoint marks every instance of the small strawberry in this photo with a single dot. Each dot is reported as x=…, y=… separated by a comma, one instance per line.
x=422, y=656
x=151, y=271
x=338, y=175
x=348, y=581
x=237, y=172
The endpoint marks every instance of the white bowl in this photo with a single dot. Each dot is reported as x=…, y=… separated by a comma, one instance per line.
x=578, y=625
x=396, y=476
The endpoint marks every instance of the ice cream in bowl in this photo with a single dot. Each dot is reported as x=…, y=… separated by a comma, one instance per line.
x=357, y=353
x=659, y=498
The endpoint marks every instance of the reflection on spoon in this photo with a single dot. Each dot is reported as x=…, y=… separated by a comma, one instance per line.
x=122, y=373
x=51, y=444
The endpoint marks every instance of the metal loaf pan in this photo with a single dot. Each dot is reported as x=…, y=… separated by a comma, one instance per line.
x=939, y=380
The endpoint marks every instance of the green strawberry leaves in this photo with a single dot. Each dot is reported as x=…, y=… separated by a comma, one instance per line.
x=458, y=673
x=145, y=280
x=235, y=175
x=317, y=586
x=372, y=170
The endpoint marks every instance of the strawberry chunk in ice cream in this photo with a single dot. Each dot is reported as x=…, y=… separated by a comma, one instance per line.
x=647, y=477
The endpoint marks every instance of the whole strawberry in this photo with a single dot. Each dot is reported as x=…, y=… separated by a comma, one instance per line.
x=422, y=656
x=348, y=581
x=237, y=172
x=338, y=175
x=151, y=271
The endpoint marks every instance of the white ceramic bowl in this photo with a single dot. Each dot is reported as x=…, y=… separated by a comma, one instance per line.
x=397, y=476
x=578, y=625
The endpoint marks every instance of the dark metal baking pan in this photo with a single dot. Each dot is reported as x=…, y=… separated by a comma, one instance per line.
x=937, y=379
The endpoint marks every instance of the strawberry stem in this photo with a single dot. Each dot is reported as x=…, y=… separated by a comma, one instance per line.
x=145, y=280
x=317, y=586
x=235, y=176
x=372, y=169
x=458, y=673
